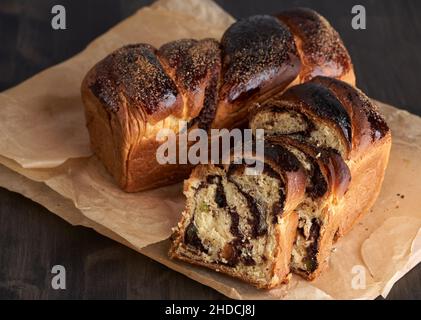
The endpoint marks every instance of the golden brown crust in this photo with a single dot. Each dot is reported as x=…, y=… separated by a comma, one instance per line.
x=321, y=48
x=106, y=133
x=114, y=139
x=367, y=168
x=126, y=99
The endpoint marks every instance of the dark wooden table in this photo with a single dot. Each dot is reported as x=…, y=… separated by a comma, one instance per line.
x=388, y=64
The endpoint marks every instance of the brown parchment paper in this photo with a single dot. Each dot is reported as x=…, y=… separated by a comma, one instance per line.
x=45, y=155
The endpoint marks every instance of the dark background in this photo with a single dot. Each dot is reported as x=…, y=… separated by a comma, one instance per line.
x=387, y=61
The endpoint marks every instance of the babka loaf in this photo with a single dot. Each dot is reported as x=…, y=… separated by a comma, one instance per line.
x=341, y=144
x=138, y=90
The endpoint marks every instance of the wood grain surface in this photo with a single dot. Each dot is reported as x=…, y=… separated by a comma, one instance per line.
x=388, y=64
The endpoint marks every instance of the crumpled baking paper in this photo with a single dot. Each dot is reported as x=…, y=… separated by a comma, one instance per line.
x=45, y=155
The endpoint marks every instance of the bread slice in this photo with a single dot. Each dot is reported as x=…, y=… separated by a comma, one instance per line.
x=328, y=178
x=240, y=224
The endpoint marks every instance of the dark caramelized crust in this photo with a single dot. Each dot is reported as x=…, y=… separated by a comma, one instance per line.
x=195, y=67
x=331, y=172
x=321, y=49
x=259, y=54
x=207, y=114
x=368, y=125
x=191, y=59
x=317, y=101
x=281, y=157
x=334, y=102
x=133, y=75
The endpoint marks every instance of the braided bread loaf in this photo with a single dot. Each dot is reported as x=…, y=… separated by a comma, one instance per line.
x=138, y=89
x=326, y=153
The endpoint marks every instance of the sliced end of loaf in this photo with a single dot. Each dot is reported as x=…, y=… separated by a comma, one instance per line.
x=234, y=224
